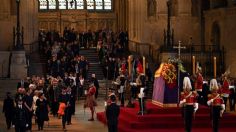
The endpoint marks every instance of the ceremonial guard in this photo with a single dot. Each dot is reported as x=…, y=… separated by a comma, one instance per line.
x=90, y=100
x=141, y=82
x=188, y=101
x=225, y=89
x=216, y=103
x=120, y=82
x=198, y=85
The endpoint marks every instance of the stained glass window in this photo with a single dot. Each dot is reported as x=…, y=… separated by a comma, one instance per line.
x=71, y=4
x=99, y=4
x=52, y=4
x=43, y=4
x=107, y=5
x=80, y=4
x=62, y=4
x=90, y=4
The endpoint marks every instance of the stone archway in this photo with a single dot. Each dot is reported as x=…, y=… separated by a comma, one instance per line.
x=215, y=35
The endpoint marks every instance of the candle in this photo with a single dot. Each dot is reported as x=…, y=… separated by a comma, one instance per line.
x=194, y=65
x=129, y=65
x=214, y=67
x=144, y=66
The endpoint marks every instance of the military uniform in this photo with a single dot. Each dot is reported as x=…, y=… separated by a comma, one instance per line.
x=217, y=109
x=189, y=104
x=142, y=93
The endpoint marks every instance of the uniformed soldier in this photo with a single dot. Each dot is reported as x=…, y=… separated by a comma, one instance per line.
x=188, y=101
x=141, y=82
x=216, y=103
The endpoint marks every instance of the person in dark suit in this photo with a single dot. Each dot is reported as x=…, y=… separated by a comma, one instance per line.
x=41, y=111
x=8, y=109
x=112, y=114
x=20, y=117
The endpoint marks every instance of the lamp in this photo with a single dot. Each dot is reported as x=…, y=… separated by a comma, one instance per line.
x=19, y=33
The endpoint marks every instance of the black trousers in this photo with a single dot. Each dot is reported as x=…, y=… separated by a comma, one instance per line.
x=8, y=121
x=64, y=118
x=232, y=100
x=112, y=128
x=29, y=120
x=122, y=99
x=188, y=116
x=40, y=124
x=215, y=116
x=20, y=129
x=133, y=92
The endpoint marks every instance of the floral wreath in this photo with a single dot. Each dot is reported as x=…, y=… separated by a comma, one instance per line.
x=169, y=74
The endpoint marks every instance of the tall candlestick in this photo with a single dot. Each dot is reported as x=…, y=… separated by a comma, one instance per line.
x=144, y=66
x=129, y=65
x=214, y=67
x=194, y=65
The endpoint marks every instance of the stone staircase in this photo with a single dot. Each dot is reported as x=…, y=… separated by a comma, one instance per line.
x=94, y=65
x=37, y=64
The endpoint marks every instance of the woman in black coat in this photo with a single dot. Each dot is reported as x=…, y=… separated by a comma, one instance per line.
x=41, y=111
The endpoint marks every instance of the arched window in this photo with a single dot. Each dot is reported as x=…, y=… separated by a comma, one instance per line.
x=71, y=4
x=43, y=4
x=79, y=4
x=107, y=4
x=99, y=4
x=90, y=4
x=52, y=4
x=62, y=4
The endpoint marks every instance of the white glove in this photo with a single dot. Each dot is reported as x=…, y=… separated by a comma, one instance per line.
x=105, y=103
x=13, y=126
x=182, y=102
x=223, y=107
x=195, y=107
x=210, y=101
x=26, y=125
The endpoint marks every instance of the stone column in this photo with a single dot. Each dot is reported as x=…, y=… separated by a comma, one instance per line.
x=28, y=18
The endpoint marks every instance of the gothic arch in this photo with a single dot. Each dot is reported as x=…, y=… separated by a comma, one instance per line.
x=151, y=7
x=215, y=34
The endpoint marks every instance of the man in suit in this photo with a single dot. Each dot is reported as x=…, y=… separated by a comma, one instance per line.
x=8, y=109
x=20, y=117
x=112, y=114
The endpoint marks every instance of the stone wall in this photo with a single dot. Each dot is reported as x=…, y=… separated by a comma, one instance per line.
x=225, y=19
x=28, y=19
x=4, y=64
x=150, y=29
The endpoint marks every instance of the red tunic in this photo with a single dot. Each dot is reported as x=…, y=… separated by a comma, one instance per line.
x=217, y=100
x=199, y=83
x=225, y=87
x=191, y=98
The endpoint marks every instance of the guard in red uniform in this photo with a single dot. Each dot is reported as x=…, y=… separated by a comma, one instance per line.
x=216, y=103
x=90, y=100
x=189, y=103
x=198, y=86
x=225, y=89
